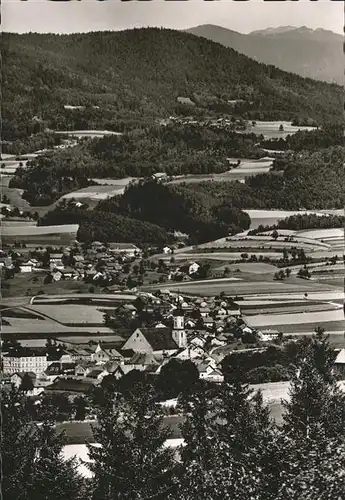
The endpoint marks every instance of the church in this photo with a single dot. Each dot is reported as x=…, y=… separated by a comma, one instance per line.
x=159, y=341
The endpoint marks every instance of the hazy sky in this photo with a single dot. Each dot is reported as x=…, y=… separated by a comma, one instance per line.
x=91, y=15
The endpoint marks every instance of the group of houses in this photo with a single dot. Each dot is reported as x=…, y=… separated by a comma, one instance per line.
x=75, y=262
x=197, y=329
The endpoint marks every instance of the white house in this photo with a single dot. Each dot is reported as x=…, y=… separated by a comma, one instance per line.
x=55, y=261
x=193, y=268
x=25, y=359
x=268, y=335
x=128, y=249
x=167, y=250
x=28, y=266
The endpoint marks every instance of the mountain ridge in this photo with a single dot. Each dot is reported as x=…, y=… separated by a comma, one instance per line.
x=312, y=53
x=139, y=74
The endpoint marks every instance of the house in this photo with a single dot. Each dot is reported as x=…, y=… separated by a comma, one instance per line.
x=68, y=273
x=97, y=374
x=268, y=335
x=193, y=268
x=122, y=370
x=191, y=352
x=204, y=312
x=126, y=309
x=234, y=310
x=83, y=368
x=25, y=359
x=80, y=353
x=167, y=250
x=78, y=260
x=221, y=312
x=143, y=360
x=99, y=355
x=17, y=378
x=97, y=246
x=57, y=368
x=61, y=356
x=113, y=350
x=154, y=340
x=55, y=261
x=38, y=386
x=56, y=275
x=71, y=384
x=105, y=352
x=159, y=176
x=128, y=249
x=208, y=370
x=339, y=363
x=28, y=266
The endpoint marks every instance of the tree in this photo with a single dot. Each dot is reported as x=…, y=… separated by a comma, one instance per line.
x=79, y=405
x=219, y=459
x=31, y=455
x=316, y=402
x=175, y=377
x=314, y=424
x=27, y=383
x=198, y=429
x=131, y=461
x=275, y=234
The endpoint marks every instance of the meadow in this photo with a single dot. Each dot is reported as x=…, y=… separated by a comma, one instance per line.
x=270, y=129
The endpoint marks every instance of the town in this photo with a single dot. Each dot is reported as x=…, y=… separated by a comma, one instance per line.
x=172, y=253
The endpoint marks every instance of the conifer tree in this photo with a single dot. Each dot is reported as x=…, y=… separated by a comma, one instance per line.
x=314, y=427
x=131, y=461
x=221, y=453
x=31, y=455
x=316, y=405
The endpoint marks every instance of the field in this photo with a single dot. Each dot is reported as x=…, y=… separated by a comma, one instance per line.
x=248, y=288
x=247, y=168
x=86, y=133
x=40, y=235
x=270, y=129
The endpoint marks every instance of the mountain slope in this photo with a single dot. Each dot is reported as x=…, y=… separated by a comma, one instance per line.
x=310, y=53
x=139, y=74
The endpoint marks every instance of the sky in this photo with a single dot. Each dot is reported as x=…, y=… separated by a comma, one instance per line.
x=91, y=15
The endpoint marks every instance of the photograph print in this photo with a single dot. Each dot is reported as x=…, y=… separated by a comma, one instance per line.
x=172, y=250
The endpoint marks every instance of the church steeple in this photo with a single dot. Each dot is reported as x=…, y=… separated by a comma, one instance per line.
x=178, y=333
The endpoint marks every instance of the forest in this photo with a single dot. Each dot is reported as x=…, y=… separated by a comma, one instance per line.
x=301, y=222
x=212, y=210
x=233, y=448
x=175, y=149
x=309, y=177
x=150, y=212
x=308, y=140
x=152, y=68
x=104, y=226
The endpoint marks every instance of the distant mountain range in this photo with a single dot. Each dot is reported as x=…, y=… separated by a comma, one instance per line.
x=310, y=53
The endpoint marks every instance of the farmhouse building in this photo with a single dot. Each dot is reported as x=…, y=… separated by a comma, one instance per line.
x=27, y=267
x=128, y=249
x=55, y=261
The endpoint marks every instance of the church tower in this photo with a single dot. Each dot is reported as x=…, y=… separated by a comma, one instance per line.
x=178, y=334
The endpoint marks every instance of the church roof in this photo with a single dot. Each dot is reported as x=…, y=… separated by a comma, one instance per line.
x=160, y=339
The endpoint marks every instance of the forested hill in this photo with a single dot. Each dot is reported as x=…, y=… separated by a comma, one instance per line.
x=139, y=74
